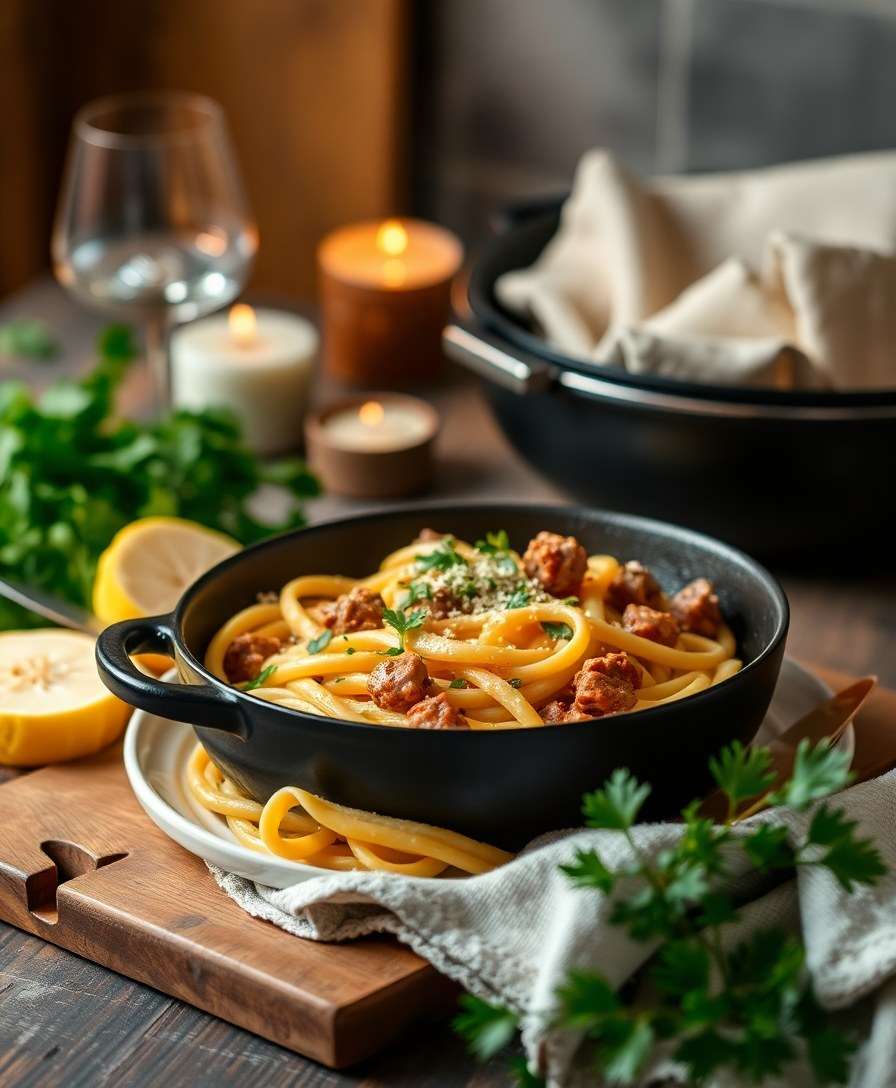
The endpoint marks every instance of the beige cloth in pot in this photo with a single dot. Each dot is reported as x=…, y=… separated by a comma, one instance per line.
x=678, y=277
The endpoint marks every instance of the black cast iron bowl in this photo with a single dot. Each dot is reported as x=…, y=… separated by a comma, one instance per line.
x=503, y=787
x=789, y=474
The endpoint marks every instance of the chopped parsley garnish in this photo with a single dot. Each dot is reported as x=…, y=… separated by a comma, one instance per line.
x=557, y=630
x=515, y=682
x=494, y=543
x=458, y=683
x=519, y=598
x=469, y=590
x=497, y=545
x=416, y=591
x=393, y=651
x=350, y=650
x=261, y=679
x=315, y=645
x=570, y=600
x=443, y=557
x=402, y=622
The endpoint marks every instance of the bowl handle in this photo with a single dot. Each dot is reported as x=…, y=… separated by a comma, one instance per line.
x=197, y=704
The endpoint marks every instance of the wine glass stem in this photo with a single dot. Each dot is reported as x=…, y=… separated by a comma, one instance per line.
x=157, y=333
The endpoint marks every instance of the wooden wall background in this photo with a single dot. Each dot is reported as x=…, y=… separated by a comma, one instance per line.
x=314, y=90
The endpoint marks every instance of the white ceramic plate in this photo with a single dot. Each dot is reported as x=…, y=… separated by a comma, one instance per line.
x=156, y=753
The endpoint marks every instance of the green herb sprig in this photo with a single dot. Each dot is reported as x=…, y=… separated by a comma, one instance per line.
x=72, y=473
x=260, y=680
x=416, y=591
x=402, y=622
x=747, y=1010
x=320, y=642
x=443, y=556
x=557, y=630
x=519, y=598
x=497, y=545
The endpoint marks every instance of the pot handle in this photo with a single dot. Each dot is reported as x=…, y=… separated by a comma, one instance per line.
x=485, y=358
x=198, y=704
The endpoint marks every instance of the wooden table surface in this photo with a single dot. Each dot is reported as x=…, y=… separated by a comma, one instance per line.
x=66, y=1021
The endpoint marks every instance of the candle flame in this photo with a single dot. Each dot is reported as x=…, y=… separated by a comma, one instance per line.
x=371, y=413
x=392, y=238
x=242, y=323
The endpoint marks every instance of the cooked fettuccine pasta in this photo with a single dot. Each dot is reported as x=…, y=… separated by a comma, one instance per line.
x=450, y=635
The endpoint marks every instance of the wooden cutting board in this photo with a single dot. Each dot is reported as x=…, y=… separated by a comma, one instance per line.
x=83, y=867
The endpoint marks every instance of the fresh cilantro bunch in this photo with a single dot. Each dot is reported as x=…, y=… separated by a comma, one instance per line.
x=72, y=474
x=747, y=1009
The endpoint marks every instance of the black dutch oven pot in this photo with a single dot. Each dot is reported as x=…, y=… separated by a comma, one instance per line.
x=503, y=787
x=783, y=474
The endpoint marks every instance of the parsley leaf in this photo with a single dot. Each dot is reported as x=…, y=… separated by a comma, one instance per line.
x=322, y=641
x=570, y=600
x=557, y=630
x=458, y=682
x=393, y=651
x=851, y=860
x=616, y=806
x=442, y=557
x=485, y=1028
x=350, y=650
x=588, y=871
x=682, y=966
x=768, y=848
x=260, y=680
x=519, y=598
x=402, y=622
x=495, y=543
x=416, y=591
x=622, y=1047
x=742, y=773
x=584, y=998
x=817, y=772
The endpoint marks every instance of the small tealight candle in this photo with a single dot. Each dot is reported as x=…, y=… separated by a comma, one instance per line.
x=385, y=298
x=258, y=363
x=373, y=447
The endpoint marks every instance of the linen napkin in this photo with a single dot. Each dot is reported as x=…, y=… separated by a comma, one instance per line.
x=781, y=276
x=510, y=936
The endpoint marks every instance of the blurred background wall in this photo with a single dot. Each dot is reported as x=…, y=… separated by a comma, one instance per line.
x=343, y=109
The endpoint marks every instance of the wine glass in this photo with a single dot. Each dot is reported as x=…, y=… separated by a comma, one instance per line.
x=152, y=224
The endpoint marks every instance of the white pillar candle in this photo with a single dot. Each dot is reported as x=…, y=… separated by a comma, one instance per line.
x=256, y=363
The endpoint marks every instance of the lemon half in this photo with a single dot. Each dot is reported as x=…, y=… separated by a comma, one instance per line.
x=53, y=706
x=150, y=563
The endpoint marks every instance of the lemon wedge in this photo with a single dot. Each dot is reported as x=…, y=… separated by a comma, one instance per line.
x=53, y=706
x=150, y=563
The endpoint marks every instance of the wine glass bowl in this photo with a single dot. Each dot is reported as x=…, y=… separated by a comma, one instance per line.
x=152, y=223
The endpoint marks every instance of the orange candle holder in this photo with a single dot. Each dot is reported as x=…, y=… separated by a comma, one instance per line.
x=385, y=299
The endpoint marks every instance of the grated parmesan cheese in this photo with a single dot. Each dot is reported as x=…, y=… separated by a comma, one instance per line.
x=484, y=584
